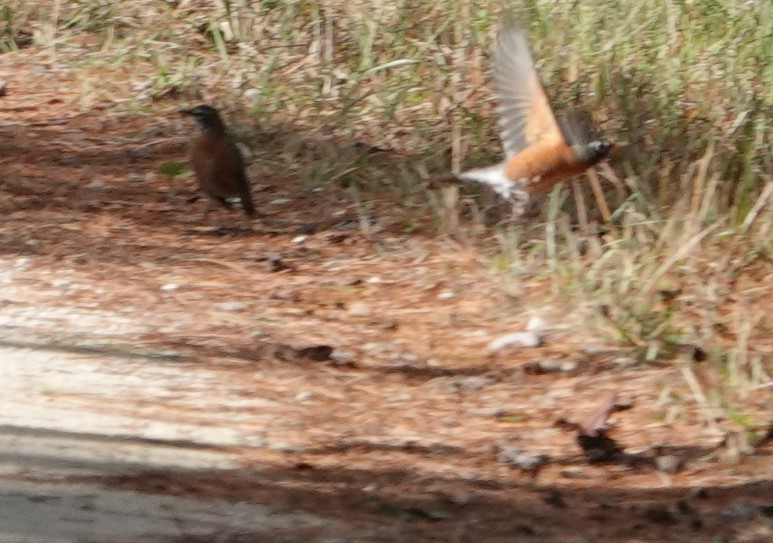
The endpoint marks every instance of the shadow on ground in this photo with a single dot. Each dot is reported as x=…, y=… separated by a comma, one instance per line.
x=293, y=498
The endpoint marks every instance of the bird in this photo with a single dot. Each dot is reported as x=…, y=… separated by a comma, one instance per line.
x=217, y=161
x=541, y=149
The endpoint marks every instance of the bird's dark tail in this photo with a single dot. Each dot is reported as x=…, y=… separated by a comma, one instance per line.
x=249, y=207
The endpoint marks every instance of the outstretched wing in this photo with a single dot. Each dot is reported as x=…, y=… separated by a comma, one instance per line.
x=578, y=127
x=525, y=115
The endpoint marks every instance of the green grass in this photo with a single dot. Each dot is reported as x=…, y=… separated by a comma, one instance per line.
x=687, y=85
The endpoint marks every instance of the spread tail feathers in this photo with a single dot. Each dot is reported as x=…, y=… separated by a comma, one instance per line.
x=494, y=177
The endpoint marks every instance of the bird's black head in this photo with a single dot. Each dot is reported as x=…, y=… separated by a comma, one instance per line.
x=207, y=117
x=580, y=131
x=594, y=151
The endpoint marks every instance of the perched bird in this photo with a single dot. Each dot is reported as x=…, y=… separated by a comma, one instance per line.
x=217, y=161
x=541, y=149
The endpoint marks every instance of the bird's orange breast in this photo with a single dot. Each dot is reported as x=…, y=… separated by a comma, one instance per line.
x=542, y=165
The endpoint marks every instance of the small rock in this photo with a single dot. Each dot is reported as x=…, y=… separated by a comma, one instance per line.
x=256, y=441
x=553, y=366
x=170, y=286
x=303, y=396
x=360, y=309
x=669, y=463
x=252, y=94
x=341, y=356
x=380, y=347
x=516, y=339
x=300, y=239
x=536, y=324
x=575, y=473
x=230, y=306
x=623, y=362
x=139, y=86
x=446, y=295
x=399, y=398
x=511, y=454
x=487, y=411
x=96, y=184
x=469, y=384
x=279, y=201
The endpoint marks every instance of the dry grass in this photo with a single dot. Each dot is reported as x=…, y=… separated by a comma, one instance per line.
x=686, y=256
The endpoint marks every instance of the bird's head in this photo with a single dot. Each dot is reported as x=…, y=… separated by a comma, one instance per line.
x=594, y=151
x=207, y=118
x=580, y=131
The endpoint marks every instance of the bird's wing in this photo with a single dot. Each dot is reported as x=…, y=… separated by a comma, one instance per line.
x=237, y=162
x=240, y=176
x=578, y=127
x=525, y=115
x=230, y=164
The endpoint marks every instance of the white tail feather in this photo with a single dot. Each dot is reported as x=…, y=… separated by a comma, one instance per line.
x=496, y=178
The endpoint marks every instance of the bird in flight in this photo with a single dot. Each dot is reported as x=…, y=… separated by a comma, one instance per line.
x=541, y=149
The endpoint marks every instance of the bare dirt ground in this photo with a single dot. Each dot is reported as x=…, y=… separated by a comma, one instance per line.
x=167, y=380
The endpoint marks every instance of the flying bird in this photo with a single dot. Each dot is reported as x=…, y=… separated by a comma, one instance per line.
x=541, y=149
